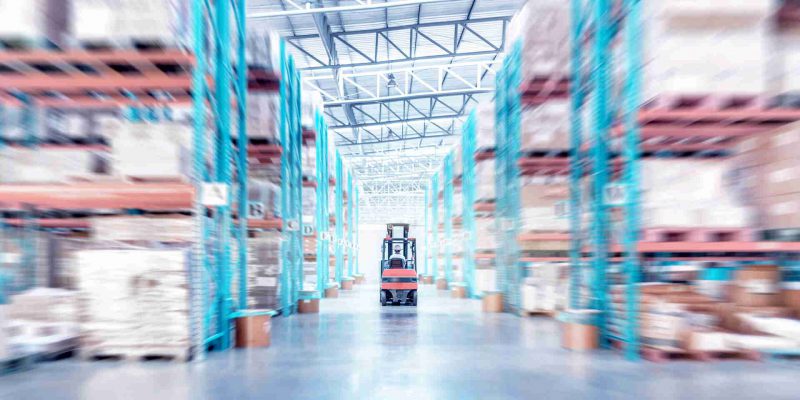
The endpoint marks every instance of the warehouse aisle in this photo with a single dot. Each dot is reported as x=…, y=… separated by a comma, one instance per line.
x=445, y=349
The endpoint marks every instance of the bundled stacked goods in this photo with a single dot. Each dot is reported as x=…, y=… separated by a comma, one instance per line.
x=43, y=321
x=311, y=104
x=55, y=165
x=485, y=132
x=264, y=270
x=134, y=302
x=266, y=195
x=769, y=177
x=159, y=22
x=708, y=200
x=166, y=229
x=545, y=288
x=45, y=21
x=263, y=116
x=484, y=177
x=543, y=203
x=751, y=316
x=679, y=37
x=152, y=151
x=545, y=127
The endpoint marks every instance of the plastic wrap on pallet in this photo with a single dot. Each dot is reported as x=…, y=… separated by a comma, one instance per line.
x=485, y=173
x=134, y=299
x=709, y=199
x=485, y=132
x=264, y=269
x=34, y=22
x=263, y=116
x=546, y=127
x=262, y=49
x=55, y=165
x=152, y=151
x=543, y=201
x=168, y=229
x=45, y=305
x=487, y=232
x=681, y=36
x=123, y=22
x=545, y=288
x=544, y=29
x=784, y=62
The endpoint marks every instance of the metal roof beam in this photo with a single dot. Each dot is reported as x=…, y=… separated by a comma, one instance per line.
x=398, y=122
x=444, y=135
x=412, y=96
x=359, y=6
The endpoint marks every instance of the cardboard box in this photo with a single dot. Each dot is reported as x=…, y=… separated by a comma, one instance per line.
x=579, y=337
x=253, y=331
x=791, y=299
x=308, y=306
x=492, y=302
x=347, y=284
x=427, y=280
x=458, y=292
x=757, y=286
x=441, y=284
x=332, y=292
x=779, y=212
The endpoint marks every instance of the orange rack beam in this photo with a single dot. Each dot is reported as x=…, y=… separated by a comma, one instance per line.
x=148, y=196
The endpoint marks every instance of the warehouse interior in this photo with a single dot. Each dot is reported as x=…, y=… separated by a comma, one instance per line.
x=444, y=199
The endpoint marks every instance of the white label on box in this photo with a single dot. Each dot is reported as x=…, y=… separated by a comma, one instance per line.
x=267, y=281
x=214, y=194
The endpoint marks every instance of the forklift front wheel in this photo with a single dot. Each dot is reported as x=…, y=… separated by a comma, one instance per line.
x=383, y=298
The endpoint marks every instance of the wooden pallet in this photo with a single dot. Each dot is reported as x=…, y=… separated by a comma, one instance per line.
x=697, y=235
x=174, y=354
x=664, y=353
x=793, y=354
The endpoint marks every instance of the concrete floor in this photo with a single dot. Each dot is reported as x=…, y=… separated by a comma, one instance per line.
x=444, y=349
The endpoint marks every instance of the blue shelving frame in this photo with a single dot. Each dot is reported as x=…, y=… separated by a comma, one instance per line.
x=508, y=109
x=322, y=220
x=435, y=228
x=448, y=189
x=468, y=190
x=339, y=200
x=350, y=227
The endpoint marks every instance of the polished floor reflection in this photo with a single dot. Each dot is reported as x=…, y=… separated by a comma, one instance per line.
x=443, y=349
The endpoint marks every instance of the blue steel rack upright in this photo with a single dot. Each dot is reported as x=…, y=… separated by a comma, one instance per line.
x=468, y=196
x=601, y=24
x=322, y=220
x=507, y=179
x=211, y=263
x=448, y=217
x=426, y=255
x=339, y=220
x=434, y=192
x=291, y=184
x=350, y=227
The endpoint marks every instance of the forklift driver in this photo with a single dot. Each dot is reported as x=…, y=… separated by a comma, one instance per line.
x=397, y=255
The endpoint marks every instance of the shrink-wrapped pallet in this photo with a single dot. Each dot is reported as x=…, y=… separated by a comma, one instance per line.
x=484, y=180
x=131, y=22
x=134, y=301
x=37, y=22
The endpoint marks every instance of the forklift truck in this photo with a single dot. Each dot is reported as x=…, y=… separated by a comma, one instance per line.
x=398, y=267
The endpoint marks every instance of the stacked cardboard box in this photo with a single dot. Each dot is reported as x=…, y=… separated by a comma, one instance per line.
x=484, y=180
x=34, y=20
x=266, y=195
x=63, y=165
x=44, y=321
x=542, y=205
x=264, y=270
x=134, y=301
x=161, y=21
x=546, y=127
x=484, y=131
x=676, y=316
x=679, y=37
x=544, y=290
x=769, y=176
x=709, y=200
x=169, y=229
x=263, y=116
x=152, y=151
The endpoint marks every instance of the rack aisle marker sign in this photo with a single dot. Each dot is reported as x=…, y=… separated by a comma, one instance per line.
x=214, y=194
